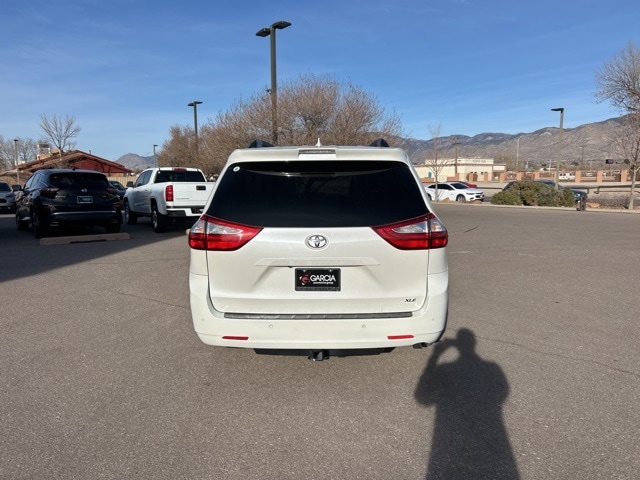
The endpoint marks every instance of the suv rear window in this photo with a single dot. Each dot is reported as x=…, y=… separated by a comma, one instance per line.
x=317, y=194
x=78, y=179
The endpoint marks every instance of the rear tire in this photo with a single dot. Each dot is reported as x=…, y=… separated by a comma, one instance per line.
x=21, y=223
x=158, y=220
x=582, y=205
x=37, y=228
x=129, y=217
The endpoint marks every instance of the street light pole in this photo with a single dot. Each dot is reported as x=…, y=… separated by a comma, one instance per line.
x=155, y=160
x=555, y=177
x=195, y=104
x=271, y=32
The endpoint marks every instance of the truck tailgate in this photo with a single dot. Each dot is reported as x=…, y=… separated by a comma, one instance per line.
x=191, y=194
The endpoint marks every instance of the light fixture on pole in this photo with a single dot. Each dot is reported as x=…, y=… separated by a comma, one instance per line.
x=195, y=104
x=555, y=177
x=271, y=32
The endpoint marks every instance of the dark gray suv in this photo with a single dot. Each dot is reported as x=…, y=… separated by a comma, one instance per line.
x=63, y=197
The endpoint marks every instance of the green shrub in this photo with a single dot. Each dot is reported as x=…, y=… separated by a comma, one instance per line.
x=506, y=197
x=549, y=197
x=535, y=194
x=530, y=193
x=568, y=200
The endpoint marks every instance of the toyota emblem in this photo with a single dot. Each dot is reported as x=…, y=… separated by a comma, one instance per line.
x=316, y=241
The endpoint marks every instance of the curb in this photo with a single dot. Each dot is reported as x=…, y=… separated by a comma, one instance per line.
x=533, y=207
x=102, y=237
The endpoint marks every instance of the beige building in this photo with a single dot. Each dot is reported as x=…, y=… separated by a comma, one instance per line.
x=469, y=169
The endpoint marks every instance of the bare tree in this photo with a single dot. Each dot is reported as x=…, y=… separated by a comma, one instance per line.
x=236, y=128
x=25, y=149
x=626, y=142
x=60, y=131
x=178, y=151
x=432, y=161
x=321, y=107
x=7, y=153
x=309, y=108
x=618, y=81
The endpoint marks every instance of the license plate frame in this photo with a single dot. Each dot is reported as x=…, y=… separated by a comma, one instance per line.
x=84, y=199
x=318, y=280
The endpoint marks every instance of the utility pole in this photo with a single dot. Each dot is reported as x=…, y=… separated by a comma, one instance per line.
x=555, y=177
x=455, y=161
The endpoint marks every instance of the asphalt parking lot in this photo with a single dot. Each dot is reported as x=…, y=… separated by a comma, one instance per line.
x=538, y=375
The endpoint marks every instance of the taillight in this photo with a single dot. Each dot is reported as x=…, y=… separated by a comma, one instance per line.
x=210, y=233
x=49, y=192
x=400, y=337
x=168, y=193
x=420, y=233
x=112, y=190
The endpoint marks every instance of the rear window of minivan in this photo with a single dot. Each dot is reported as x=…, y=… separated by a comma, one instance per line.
x=317, y=194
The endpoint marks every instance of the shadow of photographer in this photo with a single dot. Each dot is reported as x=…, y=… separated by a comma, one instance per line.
x=469, y=437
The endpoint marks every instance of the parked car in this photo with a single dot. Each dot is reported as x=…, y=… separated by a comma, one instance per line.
x=63, y=197
x=318, y=249
x=580, y=196
x=454, y=192
x=119, y=187
x=7, y=198
x=470, y=185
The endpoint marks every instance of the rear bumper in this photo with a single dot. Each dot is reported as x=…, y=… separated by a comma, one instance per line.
x=192, y=212
x=95, y=217
x=425, y=326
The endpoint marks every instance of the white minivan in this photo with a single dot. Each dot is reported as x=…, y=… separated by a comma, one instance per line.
x=318, y=248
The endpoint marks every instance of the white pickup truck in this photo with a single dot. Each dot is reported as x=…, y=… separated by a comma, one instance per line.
x=566, y=176
x=167, y=194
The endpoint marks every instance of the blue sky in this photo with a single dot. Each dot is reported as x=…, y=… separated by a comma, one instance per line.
x=126, y=69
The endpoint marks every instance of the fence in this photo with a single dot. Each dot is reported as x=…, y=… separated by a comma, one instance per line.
x=123, y=179
x=587, y=176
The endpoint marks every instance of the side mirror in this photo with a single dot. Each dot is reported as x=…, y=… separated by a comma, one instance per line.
x=129, y=184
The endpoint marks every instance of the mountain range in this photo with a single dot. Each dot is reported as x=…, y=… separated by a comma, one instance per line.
x=136, y=162
x=586, y=144
x=589, y=143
